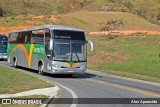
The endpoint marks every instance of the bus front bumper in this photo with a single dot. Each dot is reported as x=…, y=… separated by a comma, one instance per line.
x=3, y=57
x=68, y=71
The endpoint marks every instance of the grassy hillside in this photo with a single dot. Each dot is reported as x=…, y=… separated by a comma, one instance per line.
x=87, y=20
x=85, y=14
x=149, y=9
x=90, y=20
x=135, y=56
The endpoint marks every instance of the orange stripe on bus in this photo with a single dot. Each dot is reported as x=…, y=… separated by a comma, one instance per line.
x=23, y=48
x=74, y=65
x=30, y=55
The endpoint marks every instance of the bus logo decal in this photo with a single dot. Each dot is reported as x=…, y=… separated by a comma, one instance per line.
x=71, y=64
x=39, y=50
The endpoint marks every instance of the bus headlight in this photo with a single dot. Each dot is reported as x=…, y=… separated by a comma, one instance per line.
x=83, y=66
x=58, y=66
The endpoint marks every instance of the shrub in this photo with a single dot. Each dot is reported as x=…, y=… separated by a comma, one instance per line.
x=110, y=26
x=1, y=12
x=142, y=12
x=129, y=5
x=158, y=16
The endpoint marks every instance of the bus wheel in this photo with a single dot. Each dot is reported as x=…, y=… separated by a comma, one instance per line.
x=40, y=69
x=14, y=62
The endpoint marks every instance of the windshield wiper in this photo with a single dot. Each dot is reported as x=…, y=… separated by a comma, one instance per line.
x=77, y=56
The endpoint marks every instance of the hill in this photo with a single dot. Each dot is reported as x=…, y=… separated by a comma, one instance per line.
x=90, y=20
x=86, y=14
x=149, y=9
x=87, y=20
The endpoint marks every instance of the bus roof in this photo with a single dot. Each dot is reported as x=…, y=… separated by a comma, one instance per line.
x=50, y=27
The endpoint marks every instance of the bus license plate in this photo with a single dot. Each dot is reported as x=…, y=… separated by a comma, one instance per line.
x=70, y=71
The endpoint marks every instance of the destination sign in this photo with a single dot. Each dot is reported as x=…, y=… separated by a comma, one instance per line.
x=68, y=34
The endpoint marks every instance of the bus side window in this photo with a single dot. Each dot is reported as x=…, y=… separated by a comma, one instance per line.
x=47, y=38
x=13, y=37
x=21, y=37
x=18, y=38
x=28, y=37
x=32, y=41
x=47, y=43
x=37, y=37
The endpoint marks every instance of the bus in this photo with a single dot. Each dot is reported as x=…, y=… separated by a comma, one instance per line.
x=3, y=46
x=53, y=49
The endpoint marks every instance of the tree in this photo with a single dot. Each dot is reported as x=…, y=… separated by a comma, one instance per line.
x=129, y=5
x=158, y=16
x=1, y=12
x=60, y=9
x=110, y=26
x=142, y=12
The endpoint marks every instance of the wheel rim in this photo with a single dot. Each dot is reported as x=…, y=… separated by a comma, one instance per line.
x=41, y=69
x=15, y=63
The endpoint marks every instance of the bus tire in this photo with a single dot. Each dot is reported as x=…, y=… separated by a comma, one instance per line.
x=15, y=62
x=40, y=69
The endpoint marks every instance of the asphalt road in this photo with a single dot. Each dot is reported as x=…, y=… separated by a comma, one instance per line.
x=97, y=85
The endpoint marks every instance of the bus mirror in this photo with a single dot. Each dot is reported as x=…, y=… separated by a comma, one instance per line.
x=51, y=44
x=92, y=45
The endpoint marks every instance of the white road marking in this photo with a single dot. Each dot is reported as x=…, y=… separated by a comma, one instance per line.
x=74, y=95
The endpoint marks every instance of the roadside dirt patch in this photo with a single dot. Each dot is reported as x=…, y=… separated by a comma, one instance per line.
x=37, y=17
x=6, y=30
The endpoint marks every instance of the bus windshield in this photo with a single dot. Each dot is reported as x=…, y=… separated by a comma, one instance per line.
x=69, y=45
x=67, y=50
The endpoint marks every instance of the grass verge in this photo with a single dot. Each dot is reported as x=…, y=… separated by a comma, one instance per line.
x=12, y=81
x=135, y=56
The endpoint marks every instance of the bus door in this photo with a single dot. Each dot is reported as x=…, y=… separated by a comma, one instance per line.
x=37, y=38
